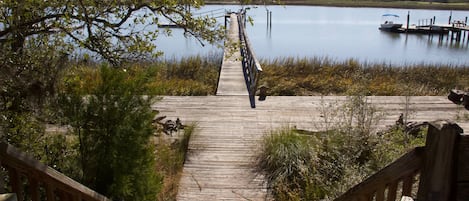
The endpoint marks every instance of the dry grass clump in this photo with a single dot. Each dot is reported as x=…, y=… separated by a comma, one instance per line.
x=170, y=158
x=306, y=165
x=324, y=76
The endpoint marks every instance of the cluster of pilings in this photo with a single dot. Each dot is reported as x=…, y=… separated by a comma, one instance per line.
x=455, y=30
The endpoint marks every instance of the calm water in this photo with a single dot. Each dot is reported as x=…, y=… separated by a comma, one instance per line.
x=338, y=33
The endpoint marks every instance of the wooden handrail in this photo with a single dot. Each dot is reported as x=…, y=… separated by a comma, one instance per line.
x=251, y=66
x=403, y=170
x=20, y=165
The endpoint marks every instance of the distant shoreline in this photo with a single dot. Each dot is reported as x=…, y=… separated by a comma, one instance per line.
x=350, y=3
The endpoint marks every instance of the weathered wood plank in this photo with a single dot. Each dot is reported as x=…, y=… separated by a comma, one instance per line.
x=231, y=81
x=437, y=178
x=229, y=130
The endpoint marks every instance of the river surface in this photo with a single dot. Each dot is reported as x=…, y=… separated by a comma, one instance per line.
x=337, y=33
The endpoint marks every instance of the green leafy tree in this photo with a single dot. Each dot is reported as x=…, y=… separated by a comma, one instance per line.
x=111, y=122
x=114, y=30
x=113, y=126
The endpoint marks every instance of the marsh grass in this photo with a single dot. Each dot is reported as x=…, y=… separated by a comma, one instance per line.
x=170, y=158
x=325, y=76
x=322, y=165
x=191, y=76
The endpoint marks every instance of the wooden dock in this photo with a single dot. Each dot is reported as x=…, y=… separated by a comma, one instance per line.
x=232, y=81
x=457, y=30
x=220, y=163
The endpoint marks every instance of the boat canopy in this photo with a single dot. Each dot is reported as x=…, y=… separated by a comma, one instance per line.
x=390, y=15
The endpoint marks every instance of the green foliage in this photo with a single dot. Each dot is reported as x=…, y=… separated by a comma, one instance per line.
x=303, y=165
x=112, y=125
x=114, y=30
x=27, y=91
x=323, y=76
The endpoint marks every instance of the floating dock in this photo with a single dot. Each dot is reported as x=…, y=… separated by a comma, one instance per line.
x=458, y=29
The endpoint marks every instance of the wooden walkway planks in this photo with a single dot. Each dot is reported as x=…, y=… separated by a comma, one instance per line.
x=231, y=81
x=222, y=150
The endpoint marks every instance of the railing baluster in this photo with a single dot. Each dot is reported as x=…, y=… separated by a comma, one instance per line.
x=33, y=188
x=252, y=68
x=392, y=191
x=407, y=185
x=15, y=183
x=63, y=196
x=40, y=176
x=50, y=194
x=380, y=193
x=2, y=183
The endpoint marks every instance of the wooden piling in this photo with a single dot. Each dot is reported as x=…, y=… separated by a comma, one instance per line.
x=450, y=15
x=408, y=20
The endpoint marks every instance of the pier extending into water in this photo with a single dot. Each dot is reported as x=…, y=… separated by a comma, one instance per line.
x=457, y=30
x=221, y=158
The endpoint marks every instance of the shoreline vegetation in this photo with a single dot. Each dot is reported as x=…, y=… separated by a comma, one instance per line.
x=448, y=5
x=324, y=76
x=290, y=76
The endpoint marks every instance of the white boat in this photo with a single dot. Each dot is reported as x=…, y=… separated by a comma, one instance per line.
x=389, y=24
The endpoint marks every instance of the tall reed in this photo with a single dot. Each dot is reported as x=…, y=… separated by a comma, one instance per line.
x=326, y=76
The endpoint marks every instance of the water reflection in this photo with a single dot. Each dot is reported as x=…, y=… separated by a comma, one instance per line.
x=339, y=33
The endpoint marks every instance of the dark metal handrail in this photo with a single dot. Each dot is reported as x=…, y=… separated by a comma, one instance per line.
x=251, y=66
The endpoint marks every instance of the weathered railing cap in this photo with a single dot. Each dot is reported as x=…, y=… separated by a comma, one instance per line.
x=8, y=197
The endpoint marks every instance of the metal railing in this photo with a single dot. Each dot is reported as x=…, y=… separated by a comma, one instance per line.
x=28, y=178
x=251, y=66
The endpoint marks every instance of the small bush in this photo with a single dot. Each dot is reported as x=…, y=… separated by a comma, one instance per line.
x=305, y=165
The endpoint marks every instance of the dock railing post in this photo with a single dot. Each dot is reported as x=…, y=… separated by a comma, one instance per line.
x=437, y=179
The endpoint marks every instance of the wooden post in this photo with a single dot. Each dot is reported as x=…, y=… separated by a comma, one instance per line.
x=462, y=165
x=270, y=20
x=2, y=181
x=15, y=181
x=438, y=175
x=33, y=188
x=408, y=20
x=50, y=192
x=450, y=15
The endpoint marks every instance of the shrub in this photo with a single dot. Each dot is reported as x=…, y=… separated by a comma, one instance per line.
x=305, y=165
x=113, y=127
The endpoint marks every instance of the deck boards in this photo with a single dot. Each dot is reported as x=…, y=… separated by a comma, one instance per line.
x=222, y=150
x=231, y=81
